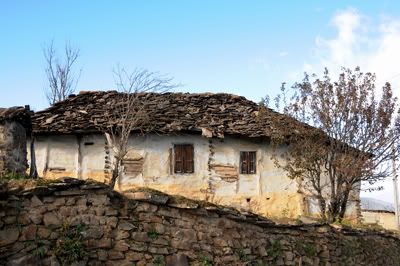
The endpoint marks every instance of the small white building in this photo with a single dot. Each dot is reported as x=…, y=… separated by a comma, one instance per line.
x=378, y=212
x=213, y=147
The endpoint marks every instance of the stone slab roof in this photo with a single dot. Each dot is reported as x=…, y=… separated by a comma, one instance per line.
x=376, y=205
x=16, y=113
x=216, y=114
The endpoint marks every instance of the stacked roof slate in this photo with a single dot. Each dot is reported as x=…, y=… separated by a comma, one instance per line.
x=375, y=205
x=219, y=114
x=18, y=114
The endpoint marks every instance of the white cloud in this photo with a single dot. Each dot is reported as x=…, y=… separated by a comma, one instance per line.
x=341, y=49
x=318, y=9
x=283, y=54
x=371, y=43
x=256, y=64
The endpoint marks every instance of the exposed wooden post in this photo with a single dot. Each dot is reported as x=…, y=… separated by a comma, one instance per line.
x=395, y=188
x=79, y=163
x=32, y=169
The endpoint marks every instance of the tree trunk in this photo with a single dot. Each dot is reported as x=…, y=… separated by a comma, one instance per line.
x=343, y=205
x=115, y=173
x=322, y=208
x=333, y=210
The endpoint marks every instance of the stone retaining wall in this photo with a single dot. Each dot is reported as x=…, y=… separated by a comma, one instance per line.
x=75, y=223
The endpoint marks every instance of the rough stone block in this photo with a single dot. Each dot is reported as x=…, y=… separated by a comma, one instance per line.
x=8, y=236
x=138, y=246
x=112, y=222
x=25, y=259
x=10, y=219
x=157, y=250
x=104, y=243
x=188, y=235
x=102, y=254
x=145, y=207
x=121, y=235
x=52, y=219
x=147, y=196
x=133, y=256
x=43, y=232
x=177, y=260
x=111, y=212
x=140, y=236
x=28, y=232
x=35, y=216
x=126, y=226
x=35, y=201
x=93, y=232
x=98, y=200
x=115, y=255
x=121, y=246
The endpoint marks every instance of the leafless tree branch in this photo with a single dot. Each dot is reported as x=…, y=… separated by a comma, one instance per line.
x=62, y=80
x=130, y=113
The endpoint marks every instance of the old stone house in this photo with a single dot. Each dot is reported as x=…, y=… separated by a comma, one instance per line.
x=207, y=146
x=14, y=127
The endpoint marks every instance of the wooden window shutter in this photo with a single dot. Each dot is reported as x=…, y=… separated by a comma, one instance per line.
x=178, y=159
x=252, y=162
x=188, y=159
x=243, y=162
x=184, y=158
x=247, y=162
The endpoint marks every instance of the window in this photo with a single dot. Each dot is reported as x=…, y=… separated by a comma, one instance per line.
x=183, y=159
x=247, y=162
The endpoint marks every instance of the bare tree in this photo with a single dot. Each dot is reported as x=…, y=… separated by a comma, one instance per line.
x=350, y=141
x=62, y=80
x=129, y=113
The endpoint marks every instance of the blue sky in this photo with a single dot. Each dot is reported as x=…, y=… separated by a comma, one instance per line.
x=241, y=47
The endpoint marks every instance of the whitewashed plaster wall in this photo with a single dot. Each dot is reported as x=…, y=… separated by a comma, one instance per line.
x=70, y=155
x=268, y=192
x=385, y=219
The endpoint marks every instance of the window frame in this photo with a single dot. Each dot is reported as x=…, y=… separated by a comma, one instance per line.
x=248, y=162
x=187, y=165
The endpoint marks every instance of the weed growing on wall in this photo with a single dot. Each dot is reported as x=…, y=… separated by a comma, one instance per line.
x=159, y=261
x=38, y=248
x=152, y=234
x=310, y=250
x=69, y=247
x=242, y=255
x=14, y=176
x=305, y=248
x=275, y=250
x=205, y=261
